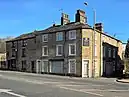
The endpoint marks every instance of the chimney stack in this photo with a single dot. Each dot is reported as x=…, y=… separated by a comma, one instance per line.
x=64, y=19
x=80, y=16
x=99, y=26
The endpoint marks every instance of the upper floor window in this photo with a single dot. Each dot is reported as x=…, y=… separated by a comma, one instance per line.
x=72, y=49
x=59, y=36
x=59, y=50
x=45, y=50
x=45, y=38
x=104, y=51
x=72, y=34
x=13, y=52
x=13, y=44
x=109, y=52
x=86, y=41
x=23, y=52
x=114, y=53
x=24, y=42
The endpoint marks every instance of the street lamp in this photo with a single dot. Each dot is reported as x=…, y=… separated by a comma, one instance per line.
x=93, y=42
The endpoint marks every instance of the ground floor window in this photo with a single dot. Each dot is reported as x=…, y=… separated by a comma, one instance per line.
x=56, y=67
x=72, y=65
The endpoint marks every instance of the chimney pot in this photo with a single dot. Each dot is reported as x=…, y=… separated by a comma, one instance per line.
x=64, y=19
x=99, y=26
x=54, y=25
x=80, y=16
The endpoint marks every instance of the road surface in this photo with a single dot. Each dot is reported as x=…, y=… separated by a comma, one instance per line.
x=16, y=84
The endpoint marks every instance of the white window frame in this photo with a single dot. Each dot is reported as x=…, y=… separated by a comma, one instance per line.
x=45, y=35
x=114, y=53
x=57, y=35
x=69, y=65
x=109, y=52
x=70, y=49
x=57, y=50
x=43, y=50
x=70, y=36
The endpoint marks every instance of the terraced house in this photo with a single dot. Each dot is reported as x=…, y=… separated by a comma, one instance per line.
x=69, y=48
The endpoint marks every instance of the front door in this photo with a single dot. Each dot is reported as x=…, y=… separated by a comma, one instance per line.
x=38, y=66
x=85, y=68
x=32, y=66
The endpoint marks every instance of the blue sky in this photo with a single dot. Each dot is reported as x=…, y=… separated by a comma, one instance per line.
x=22, y=16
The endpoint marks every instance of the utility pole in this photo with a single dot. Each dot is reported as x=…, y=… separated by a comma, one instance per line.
x=93, y=41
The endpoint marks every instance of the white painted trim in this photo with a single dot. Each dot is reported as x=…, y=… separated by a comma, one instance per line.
x=69, y=65
x=70, y=49
x=83, y=67
x=46, y=35
x=73, y=31
x=57, y=50
x=50, y=66
x=43, y=64
x=43, y=50
x=57, y=33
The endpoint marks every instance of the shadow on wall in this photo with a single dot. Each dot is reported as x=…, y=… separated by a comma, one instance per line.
x=120, y=67
x=113, y=67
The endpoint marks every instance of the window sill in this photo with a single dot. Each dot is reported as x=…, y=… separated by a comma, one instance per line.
x=44, y=41
x=45, y=55
x=59, y=55
x=59, y=40
x=72, y=54
x=72, y=38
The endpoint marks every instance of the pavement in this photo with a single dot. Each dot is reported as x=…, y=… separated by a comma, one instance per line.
x=19, y=84
x=123, y=80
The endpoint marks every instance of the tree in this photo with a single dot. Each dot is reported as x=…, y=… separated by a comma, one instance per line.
x=127, y=50
x=3, y=44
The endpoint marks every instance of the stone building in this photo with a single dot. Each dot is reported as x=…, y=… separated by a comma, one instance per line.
x=2, y=60
x=70, y=48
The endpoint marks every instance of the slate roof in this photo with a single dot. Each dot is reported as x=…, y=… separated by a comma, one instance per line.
x=69, y=26
x=56, y=28
x=24, y=36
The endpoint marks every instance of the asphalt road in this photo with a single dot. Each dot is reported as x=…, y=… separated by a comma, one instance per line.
x=14, y=84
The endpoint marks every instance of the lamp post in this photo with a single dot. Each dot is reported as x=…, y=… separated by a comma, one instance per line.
x=93, y=40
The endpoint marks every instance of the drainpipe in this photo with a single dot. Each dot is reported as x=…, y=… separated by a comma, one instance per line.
x=100, y=53
x=64, y=53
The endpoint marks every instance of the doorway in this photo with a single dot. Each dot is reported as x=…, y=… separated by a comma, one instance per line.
x=32, y=66
x=85, y=68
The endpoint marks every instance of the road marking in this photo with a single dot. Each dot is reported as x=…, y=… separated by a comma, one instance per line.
x=77, y=85
x=108, y=90
x=7, y=91
x=81, y=91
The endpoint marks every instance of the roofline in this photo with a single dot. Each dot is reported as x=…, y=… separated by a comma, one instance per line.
x=83, y=27
x=107, y=35
x=58, y=31
x=19, y=39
